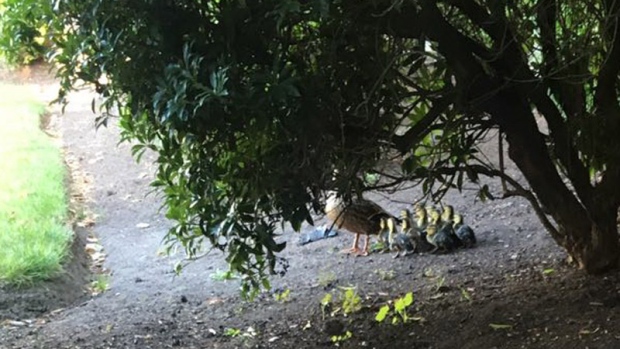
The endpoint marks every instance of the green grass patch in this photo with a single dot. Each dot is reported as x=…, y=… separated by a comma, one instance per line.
x=34, y=237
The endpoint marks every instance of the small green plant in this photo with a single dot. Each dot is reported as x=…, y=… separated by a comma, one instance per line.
x=232, y=332
x=371, y=178
x=399, y=313
x=223, y=275
x=351, y=301
x=326, y=303
x=341, y=338
x=465, y=295
x=100, y=284
x=283, y=296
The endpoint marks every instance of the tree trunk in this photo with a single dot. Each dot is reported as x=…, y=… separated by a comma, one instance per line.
x=589, y=234
x=599, y=253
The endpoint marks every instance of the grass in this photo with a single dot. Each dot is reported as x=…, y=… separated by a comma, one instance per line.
x=100, y=284
x=34, y=237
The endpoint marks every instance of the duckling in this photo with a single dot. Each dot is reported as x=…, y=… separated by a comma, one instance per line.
x=430, y=210
x=439, y=239
x=421, y=223
x=399, y=241
x=447, y=214
x=360, y=217
x=464, y=232
x=406, y=218
x=384, y=236
x=421, y=218
x=445, y=225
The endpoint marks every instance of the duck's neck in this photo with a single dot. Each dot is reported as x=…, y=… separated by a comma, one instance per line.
x=333, y=201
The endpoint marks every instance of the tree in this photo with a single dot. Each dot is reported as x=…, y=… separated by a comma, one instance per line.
x=253, y=106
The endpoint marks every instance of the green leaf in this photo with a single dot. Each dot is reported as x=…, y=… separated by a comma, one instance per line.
x=383, y=312
x=327, y=299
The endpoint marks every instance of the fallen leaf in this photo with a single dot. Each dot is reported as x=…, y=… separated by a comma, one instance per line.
x=92, y=248
x=500, y=326
x=86, y=222
x=215, y=300
x=585, y=331
x=14, y=323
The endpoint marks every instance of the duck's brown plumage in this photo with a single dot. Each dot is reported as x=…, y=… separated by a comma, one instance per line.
x=359, y=217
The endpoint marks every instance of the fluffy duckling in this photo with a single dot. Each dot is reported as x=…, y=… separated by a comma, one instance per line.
x=464, y=232
x=421, y=217
x=441, y=240
x=406, y=218
x=447, y=214
x=444, y=223
x=399, y=241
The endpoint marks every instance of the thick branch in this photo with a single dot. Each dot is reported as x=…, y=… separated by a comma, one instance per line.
x=546, y=19
x=566, y=82
x=607, y=102
x=509, y=61
x=606, y=93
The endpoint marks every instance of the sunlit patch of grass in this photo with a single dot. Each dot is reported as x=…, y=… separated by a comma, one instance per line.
x=34, y=237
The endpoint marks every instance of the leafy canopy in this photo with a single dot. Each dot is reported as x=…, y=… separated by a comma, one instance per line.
x=253, y=106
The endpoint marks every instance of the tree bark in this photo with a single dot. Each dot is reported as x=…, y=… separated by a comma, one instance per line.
x=589, y=234
x=599, y=253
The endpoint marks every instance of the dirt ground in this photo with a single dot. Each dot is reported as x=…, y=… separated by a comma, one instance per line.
x=513, y=290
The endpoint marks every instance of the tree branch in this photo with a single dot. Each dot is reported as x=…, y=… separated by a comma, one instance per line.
x=606, y=93
x=509, y=61
x=546, y=18
x=420, y=129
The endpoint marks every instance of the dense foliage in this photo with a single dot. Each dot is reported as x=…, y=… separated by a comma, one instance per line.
x=257, y=107
x=23, y=30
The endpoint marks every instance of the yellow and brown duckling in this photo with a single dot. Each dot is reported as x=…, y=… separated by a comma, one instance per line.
x=399, y=241
x=447, y=214
x=464, y=232
x=361, y=217
x=421, y=218
x=444, y=223
x=406, y=218
x=440, y=239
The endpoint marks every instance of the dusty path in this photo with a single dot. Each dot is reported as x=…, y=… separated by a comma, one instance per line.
x=515, y=277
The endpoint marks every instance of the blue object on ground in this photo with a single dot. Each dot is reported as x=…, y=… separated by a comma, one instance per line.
x=319, y=233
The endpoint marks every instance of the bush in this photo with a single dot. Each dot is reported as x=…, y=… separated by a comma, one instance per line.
x=23, y=30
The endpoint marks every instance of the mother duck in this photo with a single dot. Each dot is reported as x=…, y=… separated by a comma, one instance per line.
x=361, y=216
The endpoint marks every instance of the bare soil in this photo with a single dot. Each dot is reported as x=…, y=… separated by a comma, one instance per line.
x=513, y=290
